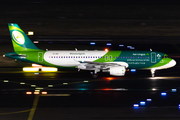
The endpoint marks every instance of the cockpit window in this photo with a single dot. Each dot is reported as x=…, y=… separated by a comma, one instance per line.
x=165, y=56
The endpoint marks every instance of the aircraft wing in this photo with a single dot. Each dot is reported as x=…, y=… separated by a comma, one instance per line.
x=87, y=65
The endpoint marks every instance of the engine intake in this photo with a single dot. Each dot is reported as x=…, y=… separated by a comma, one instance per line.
x=117, y=71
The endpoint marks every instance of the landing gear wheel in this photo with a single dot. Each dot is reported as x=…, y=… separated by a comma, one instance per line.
x=94, y=75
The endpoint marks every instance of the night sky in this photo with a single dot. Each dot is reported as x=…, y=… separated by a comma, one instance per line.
x=92, y=18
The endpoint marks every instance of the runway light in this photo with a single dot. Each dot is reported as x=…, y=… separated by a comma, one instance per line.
x=28, y=93
x=142, y=103
x=50, y=85
x=44, y=93
x=33, y=85
x=106, y=50
x=36, y=41
x=65, y=83
x=36, y=93
x=39, y=88
x=163, y=94
x=86, y=81
x=6, y=80
x=92, y=43
x=173, y=90
x=154, y=89
x=22, y=83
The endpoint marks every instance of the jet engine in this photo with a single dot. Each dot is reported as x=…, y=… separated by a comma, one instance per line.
x=117, y=70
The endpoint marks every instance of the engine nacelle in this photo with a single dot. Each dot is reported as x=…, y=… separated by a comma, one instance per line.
x=117, y=71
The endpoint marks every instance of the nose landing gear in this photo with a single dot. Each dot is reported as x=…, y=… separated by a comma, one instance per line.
x=153, y=72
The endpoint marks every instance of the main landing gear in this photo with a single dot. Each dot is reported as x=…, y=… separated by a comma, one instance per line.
x=94, y=74
x=153, y=72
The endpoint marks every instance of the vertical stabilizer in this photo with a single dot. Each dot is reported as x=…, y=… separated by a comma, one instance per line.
x=20, y=40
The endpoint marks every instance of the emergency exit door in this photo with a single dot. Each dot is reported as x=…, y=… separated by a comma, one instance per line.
x=40, y=56
x=153, y=57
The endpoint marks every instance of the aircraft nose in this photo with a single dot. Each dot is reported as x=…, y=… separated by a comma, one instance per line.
x=172, y=63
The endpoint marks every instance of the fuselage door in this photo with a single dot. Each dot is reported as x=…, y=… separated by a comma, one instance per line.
x=153, y=57
x=40, y=56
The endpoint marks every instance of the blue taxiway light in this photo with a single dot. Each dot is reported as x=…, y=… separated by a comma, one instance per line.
x=108, y=44
x=149, y=100
x=136, y=106
x=133, y=70
x=121, y=45
x=163, y=94
x=142, y=103
x=92, y=43
x=173, y=90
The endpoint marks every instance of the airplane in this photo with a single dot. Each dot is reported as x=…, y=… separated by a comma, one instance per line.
x=114, y=62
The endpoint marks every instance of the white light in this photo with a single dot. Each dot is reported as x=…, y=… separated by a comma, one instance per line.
x=6, y=80
x=39, y=88
x=86, y=81
x=22, y=83
x=49, y=69
x=28, y=93
x=36, y=93
x=36, y=65
x=4, y=55
x=44, y=93
x=36, y=41
x=30, y=33
x=65, y=83
x=153, y=89
x=30, y=69
x=33, y=85
x=50, y=85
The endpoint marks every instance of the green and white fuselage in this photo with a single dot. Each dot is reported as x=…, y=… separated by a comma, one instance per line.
x=113, y=61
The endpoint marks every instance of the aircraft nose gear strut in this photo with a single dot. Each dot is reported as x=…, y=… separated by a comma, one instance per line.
x=153, y=72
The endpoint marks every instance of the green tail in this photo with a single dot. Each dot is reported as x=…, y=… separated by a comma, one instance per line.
x=20, y=40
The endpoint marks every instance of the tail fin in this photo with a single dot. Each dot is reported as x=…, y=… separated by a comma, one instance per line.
x=20, y=40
